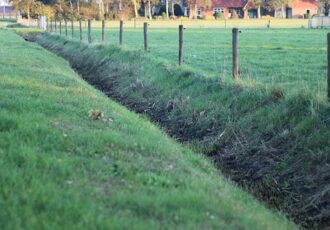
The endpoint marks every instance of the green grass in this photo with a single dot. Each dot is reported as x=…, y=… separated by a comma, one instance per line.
x=274, y=143
x=61, y=170
x=292, y=59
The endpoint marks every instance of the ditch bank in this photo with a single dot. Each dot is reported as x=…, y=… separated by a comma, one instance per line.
x=276, y=147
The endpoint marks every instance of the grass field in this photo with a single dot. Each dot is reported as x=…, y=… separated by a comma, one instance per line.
x=60, y=169
x=292, y=59
x=273, y=143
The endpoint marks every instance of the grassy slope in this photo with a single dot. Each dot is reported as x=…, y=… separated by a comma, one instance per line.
x=59, y=169
x=293, y=59
x=276, y=145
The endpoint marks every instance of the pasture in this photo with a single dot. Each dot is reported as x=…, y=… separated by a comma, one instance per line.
x=292, y=59
x=255, y=136
x=61, y=167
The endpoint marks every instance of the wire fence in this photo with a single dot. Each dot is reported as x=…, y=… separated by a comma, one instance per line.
x=272, y=57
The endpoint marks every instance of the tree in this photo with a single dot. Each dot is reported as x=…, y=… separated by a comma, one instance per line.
x=167, y=14
x=324, y=5
x=135, y=5
x=258, y=4
x=24, y=6
x=39, y=9
x=278, y=4
x=147, y=7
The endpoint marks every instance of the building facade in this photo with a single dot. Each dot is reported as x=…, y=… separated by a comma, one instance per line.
x=245, y=9
x=6, y=8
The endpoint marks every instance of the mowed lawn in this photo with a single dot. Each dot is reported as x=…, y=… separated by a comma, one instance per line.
x=293, y=59
x=62, y=169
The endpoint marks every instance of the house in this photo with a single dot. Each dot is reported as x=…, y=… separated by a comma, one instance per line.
x=226, y=7
x=6, y=8
x=302, y=8
x=245, y=9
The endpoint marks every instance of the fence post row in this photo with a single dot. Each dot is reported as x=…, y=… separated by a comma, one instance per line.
x=103, y=32
x=121, y=25
x=180, y=44
x=145, y=34
x=89, y=31
x=235, y=53
x=328, y=41
x=80, y=30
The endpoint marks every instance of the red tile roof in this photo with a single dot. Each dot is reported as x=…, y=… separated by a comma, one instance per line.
x=229, y=3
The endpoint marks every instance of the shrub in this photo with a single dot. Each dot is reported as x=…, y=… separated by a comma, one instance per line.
x=219, y=15
x=164, y=15
x=307, y=16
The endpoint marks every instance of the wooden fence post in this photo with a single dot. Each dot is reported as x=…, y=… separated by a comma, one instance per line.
x=180, y=44
x=121, y=25
x=103, y=32
x=66, y=27
x=60, y=26
x=72, y=28
x=89, y=31
x=80, y=30
x=145, y=33
x=328, y=40
x=235, y=53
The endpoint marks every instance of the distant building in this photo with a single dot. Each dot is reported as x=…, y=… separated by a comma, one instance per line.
x=243, y=8
x=6, y=8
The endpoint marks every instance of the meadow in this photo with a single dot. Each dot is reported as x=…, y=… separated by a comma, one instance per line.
x=293, y=59
x=64, y=166
x=273, y=142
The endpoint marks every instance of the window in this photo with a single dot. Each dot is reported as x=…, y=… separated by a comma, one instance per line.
x=218, y=10
x=199, y=11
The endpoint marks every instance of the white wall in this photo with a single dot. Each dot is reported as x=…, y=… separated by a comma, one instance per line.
x=5, y=3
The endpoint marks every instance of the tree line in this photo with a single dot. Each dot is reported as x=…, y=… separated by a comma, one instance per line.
x=123, y=9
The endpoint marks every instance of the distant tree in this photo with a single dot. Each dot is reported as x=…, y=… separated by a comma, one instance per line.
x=258, y=4
x=324, y=5
x=234, y=15
x=278, y=4
x=166, y=6
x=148, y=6
x=135, y=6
x=24, y=6
x=39, y=9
